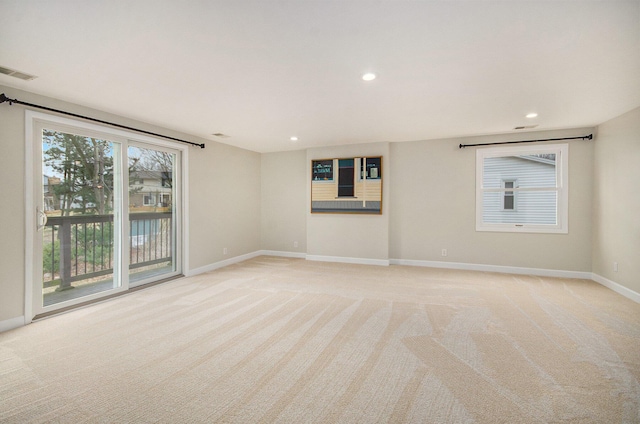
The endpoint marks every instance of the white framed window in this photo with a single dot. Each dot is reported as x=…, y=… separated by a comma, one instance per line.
x=370, y=169
x=509, y=195
x=149, y=200
x=165, y=200
x=522, y=189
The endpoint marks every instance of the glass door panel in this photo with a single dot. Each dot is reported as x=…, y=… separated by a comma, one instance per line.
x=79, y=231
x=107, y=213
x=152, y=213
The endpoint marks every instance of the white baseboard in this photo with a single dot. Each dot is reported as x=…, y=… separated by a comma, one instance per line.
x=299, y=255
x=346, y=260
x=495, y=268
x=618, y=288
x=387, y=262
x=221, y=264
x=242, y=258
x=10, y=324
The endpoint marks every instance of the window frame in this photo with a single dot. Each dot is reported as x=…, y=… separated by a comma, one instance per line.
x=512, y=194
x=363, y=174
x=163, y=197
x=317, y=165
x=562, y=189
x=152, y=199
x=34, y=121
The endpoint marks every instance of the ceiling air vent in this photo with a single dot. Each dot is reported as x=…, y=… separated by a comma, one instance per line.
x=525, y=127
x=16, y=74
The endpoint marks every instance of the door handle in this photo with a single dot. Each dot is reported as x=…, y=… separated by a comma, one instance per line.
x=41, y=219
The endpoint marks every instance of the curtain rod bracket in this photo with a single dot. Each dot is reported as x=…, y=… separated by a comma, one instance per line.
x=4, y=98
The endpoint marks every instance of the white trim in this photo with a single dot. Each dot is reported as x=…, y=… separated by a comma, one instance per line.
x=184, y=210
x=10, y=324
x=406, y=262
x=346, y=260
x=151, y=197
x=283, y=254
x=495, y=268
x=616, y=287
x=562, y=189
x=242, y=258
x=29, y=211
x=221, y=264
x=126, y=138
x=513, y=191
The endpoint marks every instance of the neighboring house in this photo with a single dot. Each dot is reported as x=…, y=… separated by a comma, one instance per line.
x=51, y=201
x=520, y=205
x=150, y=189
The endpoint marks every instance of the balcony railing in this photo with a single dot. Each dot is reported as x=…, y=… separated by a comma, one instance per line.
x=81, y=247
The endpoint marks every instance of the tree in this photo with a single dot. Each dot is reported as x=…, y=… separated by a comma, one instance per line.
x=150, y=175
x=152, y=161
x=85, y=168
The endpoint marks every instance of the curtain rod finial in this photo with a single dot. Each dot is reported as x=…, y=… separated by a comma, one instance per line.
x=3, y=98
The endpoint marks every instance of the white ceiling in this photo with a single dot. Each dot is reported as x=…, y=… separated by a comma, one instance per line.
x=263, y=71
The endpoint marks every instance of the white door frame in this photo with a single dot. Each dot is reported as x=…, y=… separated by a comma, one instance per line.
x=33, y=185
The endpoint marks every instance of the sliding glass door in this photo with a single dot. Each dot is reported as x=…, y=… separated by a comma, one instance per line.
x=79, y=226
x=106, y=212
x=152, y=213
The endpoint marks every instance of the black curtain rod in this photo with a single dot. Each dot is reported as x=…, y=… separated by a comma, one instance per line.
x=585, y=137
x=4, y=98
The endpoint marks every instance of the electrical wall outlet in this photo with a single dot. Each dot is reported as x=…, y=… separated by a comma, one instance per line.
x=615, y=267
x=444, y=252
x=295, y=244
x=225, y=251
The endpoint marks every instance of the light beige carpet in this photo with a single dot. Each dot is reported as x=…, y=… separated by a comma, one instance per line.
x=293, y=341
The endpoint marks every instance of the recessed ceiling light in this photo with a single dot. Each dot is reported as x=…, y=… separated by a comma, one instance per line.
x=294, y=138
x=532, y=115
x=369, y=76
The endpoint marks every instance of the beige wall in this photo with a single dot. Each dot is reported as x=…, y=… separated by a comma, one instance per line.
x=224, y=193
x=284, y=203
x=12, y=244
x=616, y=205
x=246, y=202
x=428, y=205
x=433, y=208
x=349, y=235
